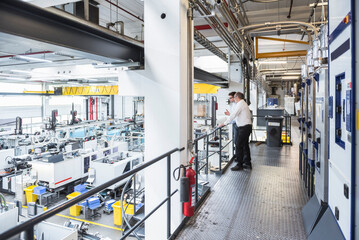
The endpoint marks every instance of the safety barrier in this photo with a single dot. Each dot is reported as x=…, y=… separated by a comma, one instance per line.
x=217, y=132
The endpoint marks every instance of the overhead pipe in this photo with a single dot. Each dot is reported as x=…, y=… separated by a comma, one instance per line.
x=242, y=10
x=190, y=76
x=204, y=8
x=216, y=25
x=227, y=14
x=311, y=15
x=303, y=24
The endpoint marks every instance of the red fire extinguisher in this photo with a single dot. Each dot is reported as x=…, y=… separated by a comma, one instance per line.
x=188, y=207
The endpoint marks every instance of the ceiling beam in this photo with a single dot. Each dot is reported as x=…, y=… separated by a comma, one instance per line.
x=26, y=20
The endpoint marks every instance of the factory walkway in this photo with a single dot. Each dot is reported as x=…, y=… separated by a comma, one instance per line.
x=264, y=203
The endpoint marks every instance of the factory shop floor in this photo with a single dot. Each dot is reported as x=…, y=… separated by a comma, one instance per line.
x=263, y=203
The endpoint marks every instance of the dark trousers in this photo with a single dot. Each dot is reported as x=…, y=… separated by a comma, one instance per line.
x=243, y=153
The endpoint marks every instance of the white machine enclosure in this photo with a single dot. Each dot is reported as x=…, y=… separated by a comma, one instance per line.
x=340, y=116
x=50, y=231
x=321, y=135
x=5, y=156
x=71, y=169
x=105, y=171
x=8, y=219
x=61, y=173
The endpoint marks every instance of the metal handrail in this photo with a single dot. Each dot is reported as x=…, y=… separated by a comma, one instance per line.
x=28, y=225
x=219, y=152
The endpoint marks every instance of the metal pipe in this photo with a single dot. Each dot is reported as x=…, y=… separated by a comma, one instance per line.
x=304, y=24
x=87, y=10
x=311, y=15
x=228, y=15
x=168, y=196
x=190, y=77
x=121, y=23
x=204, y=8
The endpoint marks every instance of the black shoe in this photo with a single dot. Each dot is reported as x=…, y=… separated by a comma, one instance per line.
x=237, y=168
x=247, y=165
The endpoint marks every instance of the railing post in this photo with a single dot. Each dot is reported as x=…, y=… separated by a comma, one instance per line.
x=196, y=169
x=207, y=167
x=233, y=139
x=220, y=149
x=29, y=233
x=168, y=195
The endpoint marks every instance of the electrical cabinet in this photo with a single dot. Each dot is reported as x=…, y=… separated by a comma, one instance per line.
x=340, y=114
x=320, y=141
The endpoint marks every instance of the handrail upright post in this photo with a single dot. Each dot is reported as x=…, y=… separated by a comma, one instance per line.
x=233, y=139
x=220, y=149
x=290, y=130
x=168, y=195
x=207, y=145
x=196, y=169
x=29, y=233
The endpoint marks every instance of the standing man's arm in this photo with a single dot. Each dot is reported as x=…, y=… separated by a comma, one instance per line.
x=233, y=115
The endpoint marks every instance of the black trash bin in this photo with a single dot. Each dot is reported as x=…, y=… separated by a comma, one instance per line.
x=274, y=131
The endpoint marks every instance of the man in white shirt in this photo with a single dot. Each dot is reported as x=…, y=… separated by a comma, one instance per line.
x=242, y=116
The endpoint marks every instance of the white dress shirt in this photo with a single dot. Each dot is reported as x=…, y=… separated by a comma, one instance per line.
x=241, y=114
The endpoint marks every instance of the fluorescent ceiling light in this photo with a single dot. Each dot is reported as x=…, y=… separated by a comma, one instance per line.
x=290, y=77
x=20, y=71
x=14, y=78
x=273, y=62
x=32, y=59
x=292, y=73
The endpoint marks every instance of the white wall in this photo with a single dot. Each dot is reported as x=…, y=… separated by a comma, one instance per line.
x=164, y=85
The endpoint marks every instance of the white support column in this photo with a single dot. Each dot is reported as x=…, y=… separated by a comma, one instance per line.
x=166, y=88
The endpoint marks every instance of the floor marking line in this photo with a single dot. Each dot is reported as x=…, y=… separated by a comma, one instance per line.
x=82, y=220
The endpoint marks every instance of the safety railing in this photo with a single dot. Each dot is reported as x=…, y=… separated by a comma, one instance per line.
x=28, y=226
x=259, y=127
x=217, y=136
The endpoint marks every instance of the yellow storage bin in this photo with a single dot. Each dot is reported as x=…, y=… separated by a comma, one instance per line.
x=117, y=213
x=30, y=197
x=75, y=210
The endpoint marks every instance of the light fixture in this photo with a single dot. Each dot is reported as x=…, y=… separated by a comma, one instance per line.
x=21, y=71
x=290, y=77
x=26, y=58
x=292, y=73
x=14, y=78
x=273, y=62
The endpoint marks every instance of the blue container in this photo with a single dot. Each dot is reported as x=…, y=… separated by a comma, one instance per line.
x=39, y=190
x=93, y=202
x=108, y=205
x=81, y=188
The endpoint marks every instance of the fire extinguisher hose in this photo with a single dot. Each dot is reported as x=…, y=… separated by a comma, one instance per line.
x=179, y=172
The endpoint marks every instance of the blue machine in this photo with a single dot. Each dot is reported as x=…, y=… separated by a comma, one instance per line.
x=272, y=101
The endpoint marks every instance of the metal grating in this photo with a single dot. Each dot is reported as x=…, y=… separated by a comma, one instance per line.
x=264, y=203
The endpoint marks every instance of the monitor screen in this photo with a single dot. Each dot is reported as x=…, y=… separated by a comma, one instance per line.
x=86, y=164
x=107, y=152
x=115, y=150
